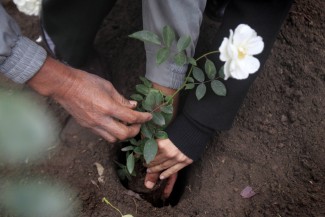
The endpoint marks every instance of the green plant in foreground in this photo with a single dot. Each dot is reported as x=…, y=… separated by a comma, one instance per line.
x=154, y=101
x=109, y=203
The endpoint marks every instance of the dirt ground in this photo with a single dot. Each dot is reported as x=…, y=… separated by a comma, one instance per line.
x=276, y=144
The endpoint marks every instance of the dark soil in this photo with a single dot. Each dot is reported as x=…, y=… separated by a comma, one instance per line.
x=276, y=144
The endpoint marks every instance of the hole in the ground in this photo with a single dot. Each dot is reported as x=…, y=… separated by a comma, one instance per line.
x=153, y=196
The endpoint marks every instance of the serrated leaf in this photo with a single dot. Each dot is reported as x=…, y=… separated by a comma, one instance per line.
x=190, y=79
x=146, y=82
x=180, y=59
x=183, y=42
x=222, y=72
x=158, y=119
x=141, y=88
x=189, y=86
x=145, y=131
x=168, y=118
x=168, y=109
x=218, y=88
x=198, y=74
x=168, y=36
x=150, y=150
x=130, y=163
x=200, y=91
x=192, y=61
x=146, y=36
x=161, y=135
x=210, y=69
x=136, y=97
x=128, y=148
x=162, y=55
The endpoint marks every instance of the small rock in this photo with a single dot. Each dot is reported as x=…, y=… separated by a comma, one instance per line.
x=284, y=119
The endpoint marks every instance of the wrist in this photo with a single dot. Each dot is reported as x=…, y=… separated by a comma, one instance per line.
x=53, y=79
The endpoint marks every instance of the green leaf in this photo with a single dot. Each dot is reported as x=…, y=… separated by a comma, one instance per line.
x=168, y=118
x=218, y=88
x=136, y=97
x=146, y=36
x=183, y=43
x=133, y=141
x=161, y=135
x=192, y=61
x=158, y=119
x=180, y=59
x=141, y=88
x=200, y=91
x=190, y=79
x=150, y=150
x=168, y=109
x=130, y=163
x=128, y=148
x=210, y=69
x=138, y=150
x=198, y=74
x=189, y=86
x=162, y=55
x=222, y=72
x=146, y=82
x=168, y=36
x=158, y=97
x=145, y=131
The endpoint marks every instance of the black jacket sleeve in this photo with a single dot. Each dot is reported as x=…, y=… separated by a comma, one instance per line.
x=198, y=120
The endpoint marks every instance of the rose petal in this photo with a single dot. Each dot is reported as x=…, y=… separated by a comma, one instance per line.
x=227, y=70
x=249, y=64
x=255, y=46
x=237, y=73
x=247, y=192
x=223, y=50
x=242, y=34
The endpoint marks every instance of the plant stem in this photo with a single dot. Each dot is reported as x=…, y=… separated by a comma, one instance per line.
x=109, y=203
x=190, y=72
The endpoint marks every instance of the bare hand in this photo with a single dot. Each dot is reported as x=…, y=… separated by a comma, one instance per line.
x=169, y=160
x=93, y=101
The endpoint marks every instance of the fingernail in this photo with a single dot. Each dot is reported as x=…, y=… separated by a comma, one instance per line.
x=162, y=177
x=149, y=184
x=134, y=103
x=148, y=171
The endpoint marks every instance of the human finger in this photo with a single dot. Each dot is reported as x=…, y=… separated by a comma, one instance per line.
x=108, y=137
x=172, y=170
x=120, y=130
x=170, y=185
x=151, y=179
x=122, y=100
x=162, y=166
x=130, y=116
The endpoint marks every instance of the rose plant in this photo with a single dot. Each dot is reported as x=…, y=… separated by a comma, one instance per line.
x=236, y=51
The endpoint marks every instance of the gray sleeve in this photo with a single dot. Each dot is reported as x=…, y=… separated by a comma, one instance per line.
x=20, y=58
x=185, y=16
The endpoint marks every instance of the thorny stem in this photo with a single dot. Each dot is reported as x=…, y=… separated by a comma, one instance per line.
x=109, y=203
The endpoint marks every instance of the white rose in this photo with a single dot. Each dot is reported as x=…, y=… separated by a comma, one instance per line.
x=238, y=51
x=29, y=7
